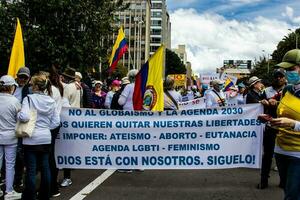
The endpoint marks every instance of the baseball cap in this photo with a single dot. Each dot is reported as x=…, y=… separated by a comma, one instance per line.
x=7, y=80
x=279, y=72
x=115, y=83
x=290, y=59
x=24, y=71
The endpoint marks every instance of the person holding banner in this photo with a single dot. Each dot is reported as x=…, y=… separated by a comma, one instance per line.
x=273, y=95
x=216, y=97
x=125, y=99
x=171, y=97
x=241, y=94
x=287, y=147
x=256, y=91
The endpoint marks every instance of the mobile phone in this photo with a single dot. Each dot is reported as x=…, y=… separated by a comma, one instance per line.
x=264, y=118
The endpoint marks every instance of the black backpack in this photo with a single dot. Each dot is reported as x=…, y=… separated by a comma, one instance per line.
x=114, y=102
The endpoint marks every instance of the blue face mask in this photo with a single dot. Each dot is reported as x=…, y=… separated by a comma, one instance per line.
x=292, y=77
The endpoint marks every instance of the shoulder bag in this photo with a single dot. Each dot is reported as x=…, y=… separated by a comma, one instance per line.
x=25, y=129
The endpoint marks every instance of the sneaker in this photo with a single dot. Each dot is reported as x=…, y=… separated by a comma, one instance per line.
x=13, y=195
x=124, y=170
x=55, y=194
x=66, y=182
x=1, y=193
x=275, y=168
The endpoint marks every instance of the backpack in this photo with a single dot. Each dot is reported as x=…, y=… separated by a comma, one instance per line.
x=114, y=102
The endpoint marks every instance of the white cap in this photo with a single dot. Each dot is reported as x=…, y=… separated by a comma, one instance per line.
x=78, y=74
x=7, y=80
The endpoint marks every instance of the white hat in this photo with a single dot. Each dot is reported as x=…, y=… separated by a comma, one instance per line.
x=7, y=80
x=78, y=74
x=125, y=80
x=95, y=82
x=217, y=82
x=253, y=80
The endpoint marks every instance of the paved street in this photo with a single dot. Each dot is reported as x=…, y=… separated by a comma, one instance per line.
x=230, y=184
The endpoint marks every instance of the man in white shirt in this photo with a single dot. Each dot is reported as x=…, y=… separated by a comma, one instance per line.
x=215, y=97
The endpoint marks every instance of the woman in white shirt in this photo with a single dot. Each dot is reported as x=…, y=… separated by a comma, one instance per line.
x=9, y=108
x=38, y=146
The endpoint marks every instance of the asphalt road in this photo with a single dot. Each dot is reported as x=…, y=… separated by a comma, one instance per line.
x=229, y=184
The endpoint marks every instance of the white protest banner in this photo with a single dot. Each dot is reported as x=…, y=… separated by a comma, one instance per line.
x=225, y=76
x=206, y=78
x=193, y=104
x=213, y=138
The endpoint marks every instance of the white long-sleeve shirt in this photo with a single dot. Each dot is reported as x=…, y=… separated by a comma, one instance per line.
x=213, y=100
x=9, y=107
x=47, y=118
x=126, y=96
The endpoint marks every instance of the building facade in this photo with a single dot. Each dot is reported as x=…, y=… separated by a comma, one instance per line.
x=136, y=23
x=160, y=29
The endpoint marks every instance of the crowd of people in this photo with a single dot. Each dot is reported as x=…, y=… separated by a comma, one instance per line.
x=48, y=91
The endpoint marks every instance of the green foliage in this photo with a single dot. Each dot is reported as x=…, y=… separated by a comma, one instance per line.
x=65, y=32
x=174, y=64
x=286, y=44
x=261, y=67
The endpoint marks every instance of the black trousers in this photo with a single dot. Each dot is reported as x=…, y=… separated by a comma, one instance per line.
x=52, y=164
x=268, y=152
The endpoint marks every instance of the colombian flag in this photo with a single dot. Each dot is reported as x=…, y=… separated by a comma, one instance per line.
x=148, y=88
x=17, y=58
x=119, y=48
x=228, y=84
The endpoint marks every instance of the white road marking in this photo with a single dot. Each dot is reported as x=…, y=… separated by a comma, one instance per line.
x=93, y=185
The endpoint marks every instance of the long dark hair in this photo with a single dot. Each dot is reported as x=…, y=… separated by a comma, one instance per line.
x=55, y=79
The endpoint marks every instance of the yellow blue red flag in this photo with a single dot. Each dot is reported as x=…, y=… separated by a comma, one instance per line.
x=17, y=58
x=228, y=83
x=119, y=48
x=148, y=88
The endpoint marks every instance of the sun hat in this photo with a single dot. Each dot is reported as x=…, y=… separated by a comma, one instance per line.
x=69, y=72
x=8, y=80
x=217, y=82
x=253, y=80
x=125, y=81
x=97, y=82
x=78, y=74
x=24, y=71
x=290, y=59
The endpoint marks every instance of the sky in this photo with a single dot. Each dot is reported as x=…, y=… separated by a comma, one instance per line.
x=217, y=30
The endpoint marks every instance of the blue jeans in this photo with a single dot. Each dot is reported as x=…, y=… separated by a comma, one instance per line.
x=31, y=162
x=289, y=172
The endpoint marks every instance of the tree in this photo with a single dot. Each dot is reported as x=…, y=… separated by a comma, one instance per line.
x=261, y=67
x=286, y=44
x=64, y=32
x=174, y=64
